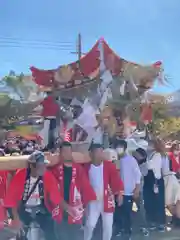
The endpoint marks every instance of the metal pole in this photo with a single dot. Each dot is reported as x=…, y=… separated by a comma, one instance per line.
x=79, y=47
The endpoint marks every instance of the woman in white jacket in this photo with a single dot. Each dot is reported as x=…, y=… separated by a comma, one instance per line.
x=153, y=189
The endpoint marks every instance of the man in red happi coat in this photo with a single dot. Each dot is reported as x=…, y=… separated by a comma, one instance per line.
x=33, y=193
x=3, y=188
x=174, y=156
x=76, y=191
x=107, y=184
x=50, y=112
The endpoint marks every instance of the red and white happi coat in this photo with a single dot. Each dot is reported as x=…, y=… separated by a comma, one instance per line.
x=3, y=187
x=3, y=183
x=112, y=184
x=67, y=133
x=81, y=192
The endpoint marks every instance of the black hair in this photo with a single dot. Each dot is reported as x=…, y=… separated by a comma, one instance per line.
x=26, y=152
x=45, y=149
x=2, y=153
x=14, y=150
x=142, y=152
x=120, y=142
x=65, y=144
x=95, y=146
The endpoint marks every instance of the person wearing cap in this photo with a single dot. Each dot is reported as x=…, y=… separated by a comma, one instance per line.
x=75, y=189
x=33, y=193
x=107, y=184
x=131, y=177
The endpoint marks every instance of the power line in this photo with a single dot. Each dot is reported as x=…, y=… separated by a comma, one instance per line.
x=33, y=40
x=35, y=47
x=10, y=43
x=34, y=44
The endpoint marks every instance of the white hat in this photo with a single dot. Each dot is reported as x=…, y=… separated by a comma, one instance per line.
x=110, y=154
x=142, y=144
x=38, y=157
x=133, y=144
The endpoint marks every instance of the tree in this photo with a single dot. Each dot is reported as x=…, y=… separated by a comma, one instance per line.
x=15, y=99
x=17, y=85
x=167, y=126
x=163, y=123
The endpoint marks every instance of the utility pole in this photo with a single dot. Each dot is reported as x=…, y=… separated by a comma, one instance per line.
x=79, y=48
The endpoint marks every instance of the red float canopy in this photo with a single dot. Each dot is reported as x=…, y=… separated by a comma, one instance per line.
x=87, y=69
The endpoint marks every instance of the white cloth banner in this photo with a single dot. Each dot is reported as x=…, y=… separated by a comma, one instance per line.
x=107, y=95
x=102, y=66
x=106, y=80
x=87, y=120
x=44, y=133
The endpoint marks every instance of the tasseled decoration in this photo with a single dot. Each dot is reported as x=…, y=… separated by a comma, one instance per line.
x=146, y=110
x=146, y=113
x=67, y=133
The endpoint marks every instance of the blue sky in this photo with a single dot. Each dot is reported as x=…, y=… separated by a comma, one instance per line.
x=43, y=32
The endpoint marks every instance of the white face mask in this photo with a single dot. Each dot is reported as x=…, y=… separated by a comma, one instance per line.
x=120, y=150
x=176, y=152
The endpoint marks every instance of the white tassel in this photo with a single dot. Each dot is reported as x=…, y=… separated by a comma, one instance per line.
x=122, y=89
x=106, y=80
x=88, y=117
x=133, y=85
x=145, y=98
x=107, y=95
x=102, y=66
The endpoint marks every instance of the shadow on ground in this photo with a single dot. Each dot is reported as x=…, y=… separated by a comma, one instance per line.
x=171, y=234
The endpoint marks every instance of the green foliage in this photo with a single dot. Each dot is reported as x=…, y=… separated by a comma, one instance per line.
x=15, y=82
x=167, y=126
x=9, y=110
x=162, y=124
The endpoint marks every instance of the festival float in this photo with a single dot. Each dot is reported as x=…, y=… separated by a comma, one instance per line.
x=101, y=78
x=94, y=99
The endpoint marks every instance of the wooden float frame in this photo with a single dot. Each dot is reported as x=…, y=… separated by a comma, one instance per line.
x=11, y=163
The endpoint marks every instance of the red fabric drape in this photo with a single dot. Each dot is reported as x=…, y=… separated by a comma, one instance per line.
x=146, y=113
x=50, y=107
x=89, y=67
x=175, y=163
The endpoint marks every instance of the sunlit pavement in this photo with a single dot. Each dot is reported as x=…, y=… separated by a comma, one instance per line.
x=170, y=234
x=173, y=235
x=7, y=234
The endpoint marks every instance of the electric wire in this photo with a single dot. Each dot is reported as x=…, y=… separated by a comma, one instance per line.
x=33, y=40
x=36, y=47
x=8, y=42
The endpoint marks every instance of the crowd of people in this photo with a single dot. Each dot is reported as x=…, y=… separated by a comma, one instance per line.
x=19, y=146
x=68, y=198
